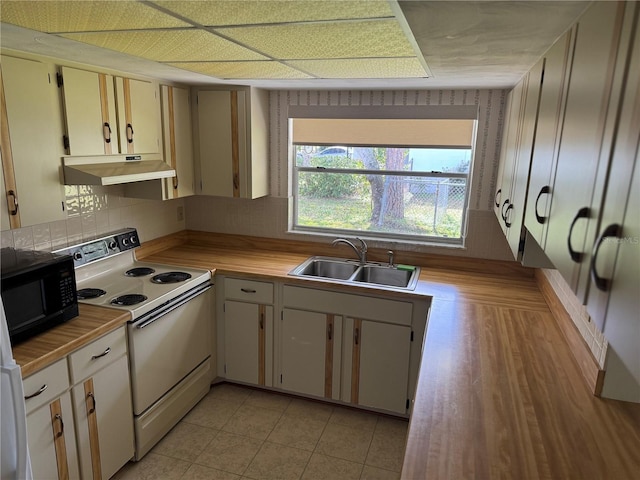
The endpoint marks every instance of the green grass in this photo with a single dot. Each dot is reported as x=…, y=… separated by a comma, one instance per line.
x=355, y=214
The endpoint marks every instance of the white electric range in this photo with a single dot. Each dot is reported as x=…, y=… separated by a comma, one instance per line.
x=169, y=336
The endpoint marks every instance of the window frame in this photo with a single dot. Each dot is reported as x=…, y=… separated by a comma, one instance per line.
x=439, y=112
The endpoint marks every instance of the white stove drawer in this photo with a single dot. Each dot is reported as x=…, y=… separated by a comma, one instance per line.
x=248, y=291
x=99, y=353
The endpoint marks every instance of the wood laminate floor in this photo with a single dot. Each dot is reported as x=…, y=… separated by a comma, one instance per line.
x=242, y=433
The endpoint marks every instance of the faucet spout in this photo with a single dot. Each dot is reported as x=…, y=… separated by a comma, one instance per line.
x=360, y=252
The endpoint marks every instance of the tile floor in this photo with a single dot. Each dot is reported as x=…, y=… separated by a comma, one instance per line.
x=242, y=433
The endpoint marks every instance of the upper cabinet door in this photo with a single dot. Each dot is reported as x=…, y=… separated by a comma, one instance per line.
x=32, y=171
x=552, y=100
x=587, y=134
x=139, y=116
x=178, y=140
x=90, y=112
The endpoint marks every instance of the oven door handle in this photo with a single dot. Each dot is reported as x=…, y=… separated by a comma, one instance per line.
x=157, y=315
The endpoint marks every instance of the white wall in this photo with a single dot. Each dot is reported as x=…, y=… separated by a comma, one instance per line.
x=268, y=217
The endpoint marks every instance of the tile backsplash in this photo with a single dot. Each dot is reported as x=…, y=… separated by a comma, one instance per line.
x=94, y=210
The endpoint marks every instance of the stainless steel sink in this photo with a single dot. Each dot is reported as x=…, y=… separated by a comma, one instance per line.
x=326, y=268
x=384, y=275
x=350, y=271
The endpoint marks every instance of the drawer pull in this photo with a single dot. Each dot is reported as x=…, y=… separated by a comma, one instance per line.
x=248, y=290
x=577, y=257
x=539, y=218
x=106, y=352
x=58, y=417
x=612, y=231
x=39, y=392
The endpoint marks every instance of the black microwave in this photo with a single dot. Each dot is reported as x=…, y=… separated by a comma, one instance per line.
x=38, y=291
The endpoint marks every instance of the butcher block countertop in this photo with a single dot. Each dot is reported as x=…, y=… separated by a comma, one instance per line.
x=46, y=348
x=499, y=393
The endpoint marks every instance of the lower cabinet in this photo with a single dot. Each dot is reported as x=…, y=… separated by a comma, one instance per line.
x=376, y=364
x=50, y=423
x=310, y=352
x=358, y=349
x=79, y=412
x=245, y=336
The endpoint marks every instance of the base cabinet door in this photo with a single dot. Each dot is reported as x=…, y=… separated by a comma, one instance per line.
x=104, y=421
x=377, y=375
x=52, y=444
x=247, y=330
x=310, y=347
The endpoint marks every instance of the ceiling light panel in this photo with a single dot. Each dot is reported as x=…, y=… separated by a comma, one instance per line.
x=242, y=70
x=378, y=38
x=82, y=16
x=169, y=45
x=363, y=68
x=247, y=12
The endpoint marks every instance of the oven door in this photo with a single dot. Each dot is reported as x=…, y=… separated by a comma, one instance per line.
x=166, y=345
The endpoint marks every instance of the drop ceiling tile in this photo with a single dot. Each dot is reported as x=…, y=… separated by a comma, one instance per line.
x=363, y=68
x=169, y=45
x=379, y=38
x=245, y=12
x=78, y=16
x=242, y=70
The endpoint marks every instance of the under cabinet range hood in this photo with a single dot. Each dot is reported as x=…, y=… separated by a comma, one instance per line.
x=114, y=169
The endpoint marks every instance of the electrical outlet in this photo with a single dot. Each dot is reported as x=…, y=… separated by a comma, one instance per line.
x=180, y=213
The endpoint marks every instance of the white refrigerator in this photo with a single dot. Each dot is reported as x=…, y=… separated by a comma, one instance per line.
x=14, y=452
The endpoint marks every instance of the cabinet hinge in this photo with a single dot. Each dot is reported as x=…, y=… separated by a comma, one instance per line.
x=59, y=79
x=407, y=404
x=412, y=335
x=65, y=142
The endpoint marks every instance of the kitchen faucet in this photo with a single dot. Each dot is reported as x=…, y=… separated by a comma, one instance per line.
x=361, y=252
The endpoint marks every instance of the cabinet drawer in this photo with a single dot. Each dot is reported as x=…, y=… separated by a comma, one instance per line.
x=91, y=358
x=248, y=291
x=51, y=382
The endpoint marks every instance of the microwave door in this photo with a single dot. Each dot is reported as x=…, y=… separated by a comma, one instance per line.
x=15, y=451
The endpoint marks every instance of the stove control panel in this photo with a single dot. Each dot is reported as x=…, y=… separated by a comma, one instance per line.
x=106, y=246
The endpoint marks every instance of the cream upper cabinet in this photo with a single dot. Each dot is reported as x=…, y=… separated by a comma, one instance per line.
x=90, y=112
x=587, y=135
x=30, y=150
x=177, y=137
x=232, y=142
x=138, y=107
x=108, y=115
x=547, y=141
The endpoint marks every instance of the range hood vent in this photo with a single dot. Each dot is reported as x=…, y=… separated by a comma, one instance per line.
x=114, y=169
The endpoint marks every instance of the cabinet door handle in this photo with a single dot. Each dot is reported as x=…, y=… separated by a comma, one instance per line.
x=106, y=131
x=495, y=199
x=612, y=231
x=261, y=322
x=129, y=133
x=91, y=396
x=584, y=212
x=39, y=392
x=506, y=222
x=175, y=182
x=356, y=336
x=330, y=331
x=247, y=290
x=12, y=199
x=502, y=212
x=100, y=355
x=60, y=432
x=539, y=218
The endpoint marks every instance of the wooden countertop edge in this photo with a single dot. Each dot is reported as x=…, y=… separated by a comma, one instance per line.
x=58, y=342
x=591, y=371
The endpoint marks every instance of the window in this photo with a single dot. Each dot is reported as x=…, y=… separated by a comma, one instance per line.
x=386, y=178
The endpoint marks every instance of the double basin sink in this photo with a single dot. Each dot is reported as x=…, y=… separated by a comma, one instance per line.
x=351, y=271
